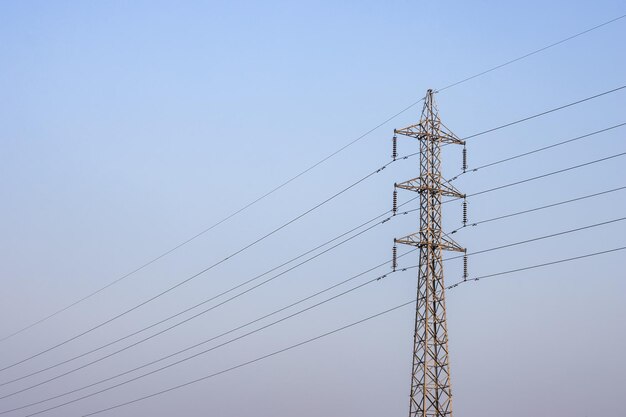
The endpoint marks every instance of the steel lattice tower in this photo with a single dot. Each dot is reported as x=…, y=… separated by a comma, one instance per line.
x=430, y=383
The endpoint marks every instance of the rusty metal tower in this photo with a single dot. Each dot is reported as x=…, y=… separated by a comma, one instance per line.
x=430, y=381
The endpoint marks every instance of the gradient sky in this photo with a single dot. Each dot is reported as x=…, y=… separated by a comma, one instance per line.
x=128, y=127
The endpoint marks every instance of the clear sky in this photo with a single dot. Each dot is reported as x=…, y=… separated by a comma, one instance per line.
x=128, y=127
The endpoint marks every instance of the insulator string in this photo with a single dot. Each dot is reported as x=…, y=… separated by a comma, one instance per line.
x=465, y=274
x=464, y=211
x=394, y=208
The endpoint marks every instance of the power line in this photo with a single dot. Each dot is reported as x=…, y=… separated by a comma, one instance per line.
x=274, y=353
x=227, y=291
x=525, y=119
x=541, y=208
x=532, y=209
x=512, y=184
x=533, y=178
x=222, y=221
x=206, y=269
x=185, y=242
x=548, y=174
x=301, y=173
x=484, y=221
x=375, y=279
x=213, y=307
x=536, y=51
x=500, y=161
x=478, y=193
x=534, y=116
x=538, y=266
x=296, y=218
x=276, y=322
x=173, y=287
x=212, y=338
x=535, y=239
x=170, y=327
x=277, y=352
x=211, y=299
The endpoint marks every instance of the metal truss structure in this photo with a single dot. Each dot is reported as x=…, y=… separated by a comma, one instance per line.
x=430, y=381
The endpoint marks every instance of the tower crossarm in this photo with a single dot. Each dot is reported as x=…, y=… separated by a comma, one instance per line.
x=420, y=185
x=419, y=131
x=416, y=240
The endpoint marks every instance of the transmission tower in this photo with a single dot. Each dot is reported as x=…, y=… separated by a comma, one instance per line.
x=430, y=378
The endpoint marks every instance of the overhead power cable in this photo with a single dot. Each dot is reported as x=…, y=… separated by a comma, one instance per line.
x=536, y=51
x=207, y=300
x=203, y=271
x=211, y=308
x=518, y=213
x=185, y=242
x=293, y=178
x=535, y=239
x=540, y=208
x=232, y=368
x=277, y=352
x=469, y=195
x=560, y=171
x=195, y=315
x=217, y=296
x=297, y=313
x=526, y=268
x=543, y=148
x=543, y=113
x=548, y=174
x=276, y=322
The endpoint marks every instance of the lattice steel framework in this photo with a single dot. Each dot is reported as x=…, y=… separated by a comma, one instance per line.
x=430, y=384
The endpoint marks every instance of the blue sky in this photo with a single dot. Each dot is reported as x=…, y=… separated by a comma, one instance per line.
x=126, y=128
